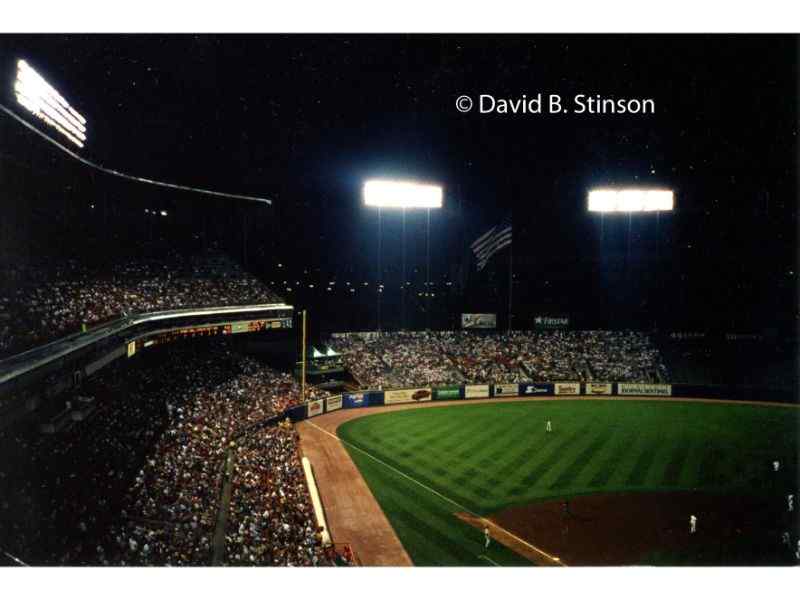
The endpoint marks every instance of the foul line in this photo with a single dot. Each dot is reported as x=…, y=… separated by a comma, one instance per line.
x=550, y=557
x=488, y=559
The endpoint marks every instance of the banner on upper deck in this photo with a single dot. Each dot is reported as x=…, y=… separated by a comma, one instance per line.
x=478, y=321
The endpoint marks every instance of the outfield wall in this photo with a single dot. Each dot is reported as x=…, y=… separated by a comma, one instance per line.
x=566, y=389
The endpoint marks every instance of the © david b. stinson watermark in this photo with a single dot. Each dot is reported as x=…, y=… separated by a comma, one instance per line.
x=556, y=104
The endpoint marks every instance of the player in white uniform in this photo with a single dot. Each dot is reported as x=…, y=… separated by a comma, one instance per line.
x=486, y=536
x=549, y=427
x=692, y=524
x=790, y=502
x=776, y=465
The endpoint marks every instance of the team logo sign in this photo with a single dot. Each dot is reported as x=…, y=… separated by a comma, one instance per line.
x=533, y=389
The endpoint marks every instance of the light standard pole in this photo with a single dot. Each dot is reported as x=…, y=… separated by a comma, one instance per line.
x=380, y=268
x=403, y=286
x=382, y=193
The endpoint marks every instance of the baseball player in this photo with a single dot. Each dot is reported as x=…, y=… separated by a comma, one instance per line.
x=486, y=536
x=776, y=465
x=797, y=552
x=692, y=524
x=549, y=427
x=790, y=502
x=785, y=539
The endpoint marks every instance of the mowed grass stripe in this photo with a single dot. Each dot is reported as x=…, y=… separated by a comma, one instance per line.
x=571, y=472
x=435, y=435
x=609, y=466
x=401, y=433
x=645, y=459
x=711, y=471
x=466, y=433
x=519, y=432
x=555, y=455
x=500, y=451
x=526, y=444
x=678, y=456
x=480, y=441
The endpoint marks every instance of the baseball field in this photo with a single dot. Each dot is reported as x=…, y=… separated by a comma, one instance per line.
x=632, y=473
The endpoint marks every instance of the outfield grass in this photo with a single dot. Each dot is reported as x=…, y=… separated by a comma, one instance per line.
x=486, y=457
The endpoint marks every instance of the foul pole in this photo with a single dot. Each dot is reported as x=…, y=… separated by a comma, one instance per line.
x=303, y=367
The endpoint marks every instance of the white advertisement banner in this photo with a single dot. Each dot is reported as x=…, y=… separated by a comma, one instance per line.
x=598, y=388
x=476, y=391
x=506, y=389
x=333, y=403
x=644, y=389
x=414, y=395
x=478, y=321
x=315, y=408
x=568, y=388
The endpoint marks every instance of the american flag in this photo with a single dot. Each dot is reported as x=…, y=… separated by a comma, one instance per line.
x=491, y=242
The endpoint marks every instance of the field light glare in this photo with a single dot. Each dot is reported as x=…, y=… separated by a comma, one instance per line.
x=630, y=200
x=385, y=193
x=42, y=100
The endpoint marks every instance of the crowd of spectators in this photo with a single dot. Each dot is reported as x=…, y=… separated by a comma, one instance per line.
x=401, y=359
x=41, y=302
x=271, y=519
x=139, y=482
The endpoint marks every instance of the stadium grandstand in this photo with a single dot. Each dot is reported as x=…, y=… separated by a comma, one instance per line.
x=275, y=344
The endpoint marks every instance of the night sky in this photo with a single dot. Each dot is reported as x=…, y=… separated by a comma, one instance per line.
x=305, y=119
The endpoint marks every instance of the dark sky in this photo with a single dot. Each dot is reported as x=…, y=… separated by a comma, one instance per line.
x=305, y=119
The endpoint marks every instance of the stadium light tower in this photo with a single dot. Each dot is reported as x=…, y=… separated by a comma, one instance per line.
x=630, y=201
x=394, y=194
x=44, y=101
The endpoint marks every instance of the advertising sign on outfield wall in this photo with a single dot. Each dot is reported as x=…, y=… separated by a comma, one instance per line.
x=476, y=391
x=536, y=389
x=571, y=388
x=131, y=348
x=450, y=392
x=644, y=389
x=333, y=403
x=315, y=408
x=506, y=389
x=598, y=388
x=354, y=400
x=412, y=395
